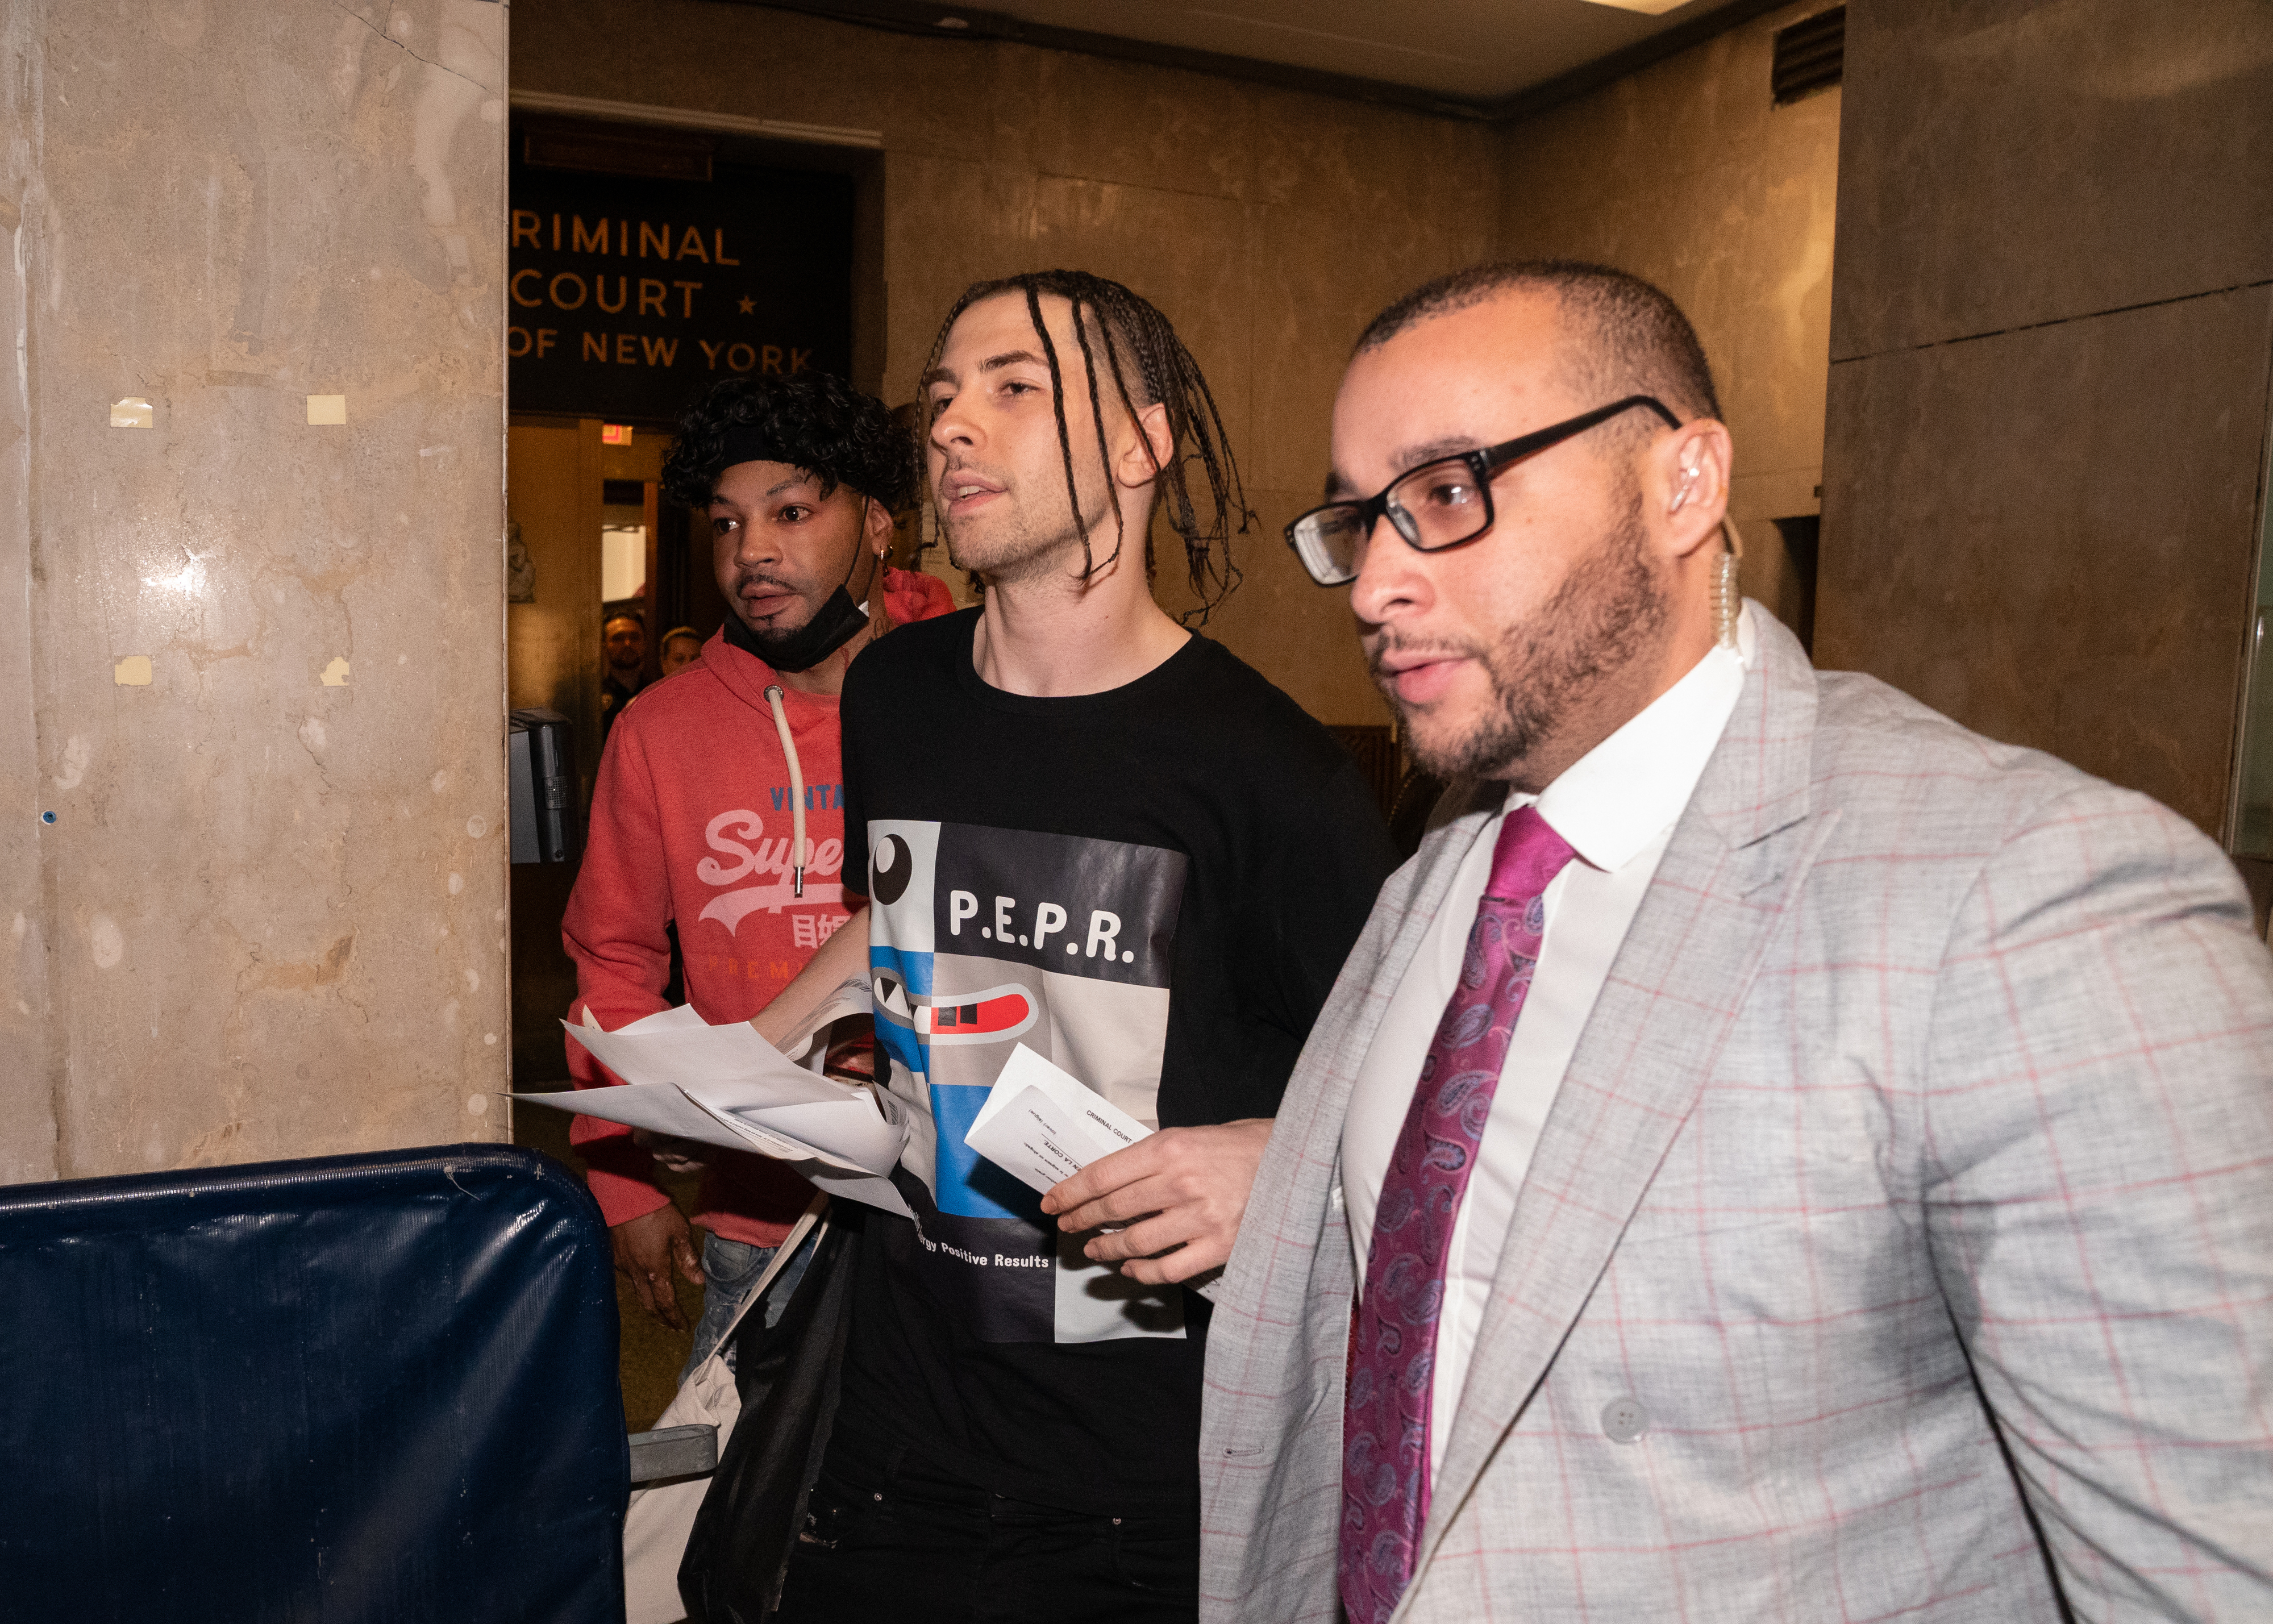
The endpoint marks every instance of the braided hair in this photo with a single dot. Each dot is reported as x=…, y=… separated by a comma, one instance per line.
x=1107, y=316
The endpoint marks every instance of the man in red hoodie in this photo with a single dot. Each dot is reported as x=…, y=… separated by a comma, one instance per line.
x=692, y=817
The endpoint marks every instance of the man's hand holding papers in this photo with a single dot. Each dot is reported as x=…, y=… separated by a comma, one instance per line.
x=728, y=1087
x=1169, y=1203
x=1042, y=1124
x=1188, y=1185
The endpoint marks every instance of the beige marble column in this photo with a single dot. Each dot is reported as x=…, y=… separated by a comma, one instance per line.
x=252, y=651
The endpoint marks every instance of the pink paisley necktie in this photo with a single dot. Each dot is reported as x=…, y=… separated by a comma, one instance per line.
x=1385, y=1420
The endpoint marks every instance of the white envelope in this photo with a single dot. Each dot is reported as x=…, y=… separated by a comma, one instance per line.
x=1042, y=1125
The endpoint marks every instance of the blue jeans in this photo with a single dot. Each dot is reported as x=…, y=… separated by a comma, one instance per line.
x=731, y=1271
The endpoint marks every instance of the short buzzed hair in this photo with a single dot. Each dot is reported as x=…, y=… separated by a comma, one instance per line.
x=1626, y=336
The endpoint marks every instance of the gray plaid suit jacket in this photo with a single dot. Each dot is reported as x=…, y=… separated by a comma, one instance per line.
x=1912, y=1186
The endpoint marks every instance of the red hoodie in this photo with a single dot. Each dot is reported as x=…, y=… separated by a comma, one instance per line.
x=691, y=822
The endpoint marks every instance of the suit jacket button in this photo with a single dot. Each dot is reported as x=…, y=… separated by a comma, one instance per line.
x=1624, y=1420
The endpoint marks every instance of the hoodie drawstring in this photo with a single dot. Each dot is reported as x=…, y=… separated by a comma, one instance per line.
x=796, y=791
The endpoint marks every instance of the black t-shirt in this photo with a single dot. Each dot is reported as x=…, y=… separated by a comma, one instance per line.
x=1155, y=888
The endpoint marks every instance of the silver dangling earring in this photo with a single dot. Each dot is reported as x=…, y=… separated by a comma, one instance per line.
x=1727, y=595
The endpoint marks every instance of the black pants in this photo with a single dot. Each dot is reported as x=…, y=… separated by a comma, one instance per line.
x=889, y=1541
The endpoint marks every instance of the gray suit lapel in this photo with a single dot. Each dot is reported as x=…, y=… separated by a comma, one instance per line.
x=1301, y=1165
x=1435, y=866
x=1737, y=854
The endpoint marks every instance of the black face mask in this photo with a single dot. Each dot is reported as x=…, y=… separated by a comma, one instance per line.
x=835, y=623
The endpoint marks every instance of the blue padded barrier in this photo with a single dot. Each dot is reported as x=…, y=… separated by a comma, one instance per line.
x=362, y=1389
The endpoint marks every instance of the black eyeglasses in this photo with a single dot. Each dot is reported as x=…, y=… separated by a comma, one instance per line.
x=1438, y=504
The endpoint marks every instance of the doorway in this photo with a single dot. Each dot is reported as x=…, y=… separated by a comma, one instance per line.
x=646, y=263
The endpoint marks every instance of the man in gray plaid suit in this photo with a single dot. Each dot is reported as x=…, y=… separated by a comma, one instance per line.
x=1784, y=1157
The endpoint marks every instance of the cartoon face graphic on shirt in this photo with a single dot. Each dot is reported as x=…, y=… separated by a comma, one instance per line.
x=980, y=941
x=994, y=1015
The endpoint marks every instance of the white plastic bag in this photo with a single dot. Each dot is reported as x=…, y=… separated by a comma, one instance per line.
x=657, y=1526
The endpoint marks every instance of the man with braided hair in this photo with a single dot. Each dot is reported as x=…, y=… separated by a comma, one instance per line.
x=691, y=818
x=1088, y=832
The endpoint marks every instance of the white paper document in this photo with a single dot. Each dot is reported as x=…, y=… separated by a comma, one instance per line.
x=728, y=1087
x=1042, y=1125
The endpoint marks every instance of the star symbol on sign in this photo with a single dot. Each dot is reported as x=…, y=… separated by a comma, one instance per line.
x=748, y=304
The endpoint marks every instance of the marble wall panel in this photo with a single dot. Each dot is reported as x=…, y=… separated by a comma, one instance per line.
x=1755, y=282
x=1680, y=115
x=946, y=98
x=1687, y=173
x=2049, y=402
x=1299, y=635
x=1193, y=256
x=2014, y=164
x=270, y=906
x=2024, y=533
x=1323, y=274
x=948, y=224
x=1156, y=128
x=1372, y=169
x=27, y=1140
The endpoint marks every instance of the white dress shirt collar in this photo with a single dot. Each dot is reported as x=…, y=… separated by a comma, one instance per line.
x=1616, y=801
x=1617, y=807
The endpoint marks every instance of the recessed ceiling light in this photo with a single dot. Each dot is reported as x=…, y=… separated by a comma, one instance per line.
x=1647, y=8
x=964, y=22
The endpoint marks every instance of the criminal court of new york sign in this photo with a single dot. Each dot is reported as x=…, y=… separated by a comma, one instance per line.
x=628, y=297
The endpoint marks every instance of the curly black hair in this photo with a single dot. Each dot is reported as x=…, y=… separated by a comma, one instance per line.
x=830, y=429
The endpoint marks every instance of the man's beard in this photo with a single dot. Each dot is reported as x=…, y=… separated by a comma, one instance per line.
x=774, y=636
x=1607, y=612
x=804, y=604
x=1023, y=544
x=819, y=632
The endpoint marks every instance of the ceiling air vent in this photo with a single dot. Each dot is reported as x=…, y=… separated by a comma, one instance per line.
x=1809, y=56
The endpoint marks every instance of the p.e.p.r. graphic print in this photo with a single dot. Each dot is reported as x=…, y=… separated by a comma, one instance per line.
x=981, y=939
